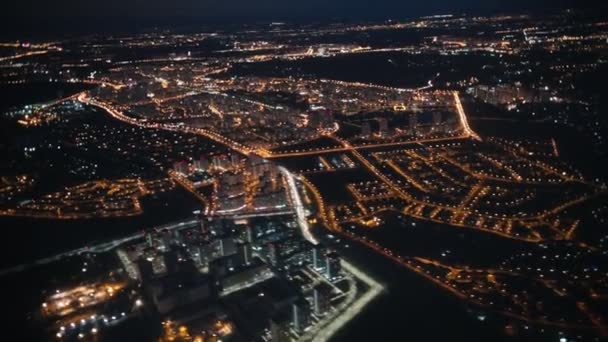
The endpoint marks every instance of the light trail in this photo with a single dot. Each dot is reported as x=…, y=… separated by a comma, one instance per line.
x=298, y=206
x=555, y=149
x=251, y=215
x=463, y=117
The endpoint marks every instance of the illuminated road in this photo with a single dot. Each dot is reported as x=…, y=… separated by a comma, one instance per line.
x=349, y=309
x=23, y=55
x=100, y=248
x=187, y=185
x=298, y=206
x=463, y=117
x=363, y=147
x=252, y=215
x=117, y=114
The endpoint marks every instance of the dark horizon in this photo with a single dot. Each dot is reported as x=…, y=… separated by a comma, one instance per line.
x=35, y=19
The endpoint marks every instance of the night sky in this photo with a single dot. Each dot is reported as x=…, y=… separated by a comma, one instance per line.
x=265, y=7
x=43, y=15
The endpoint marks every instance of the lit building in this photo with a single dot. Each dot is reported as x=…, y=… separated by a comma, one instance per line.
x=235, y=160
x=300, y=313
x=317, y=257
x=171, y=260
x=321, y=299
x=227, y=246
x=279, y=331
x=180, y=289
x=181, y=167
x=413, y=124
x=333, y=266
x=244, y=253
x=144, y=269
x=384, y=129
x=221, y=162
x=273, y=254
x=201, y=164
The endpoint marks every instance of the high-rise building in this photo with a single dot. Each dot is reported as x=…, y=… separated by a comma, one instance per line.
x=176, y=236
x=150, y=239
x=145, y=270
x=227, y=246
x=300, y=311
x=221, y=162
x=244, y=254
x=181, y=167
x=235, y=160
x=201, y=164
x=185, y=288
x=273, y=254
x=205, y=231
x=384, y=129
x=332, y=265
x=220, y=227
x=413, y=123
x=279, y=329
x=317, y=257
x=321, y=298
x=171, y=260
x=249, y=236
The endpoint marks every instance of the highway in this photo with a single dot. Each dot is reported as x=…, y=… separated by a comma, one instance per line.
x=251, y=215
x=362, y=147
x=463, y=118
x=298, y=206
x=23, y=55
